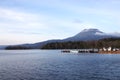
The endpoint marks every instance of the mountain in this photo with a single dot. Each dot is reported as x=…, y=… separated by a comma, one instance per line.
x=84, y=35
x=39, y=44
x=90, y=34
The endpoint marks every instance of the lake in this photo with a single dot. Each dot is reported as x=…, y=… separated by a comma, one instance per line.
x=54, y=65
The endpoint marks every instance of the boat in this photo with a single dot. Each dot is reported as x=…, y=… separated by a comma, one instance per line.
x=70, y=51
x=74, y=51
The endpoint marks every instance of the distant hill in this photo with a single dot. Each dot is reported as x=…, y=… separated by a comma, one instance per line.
x=84, y=35
x=2, y=47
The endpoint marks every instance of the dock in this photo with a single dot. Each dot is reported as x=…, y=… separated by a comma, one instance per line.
x=89, y=51
x=80, y=51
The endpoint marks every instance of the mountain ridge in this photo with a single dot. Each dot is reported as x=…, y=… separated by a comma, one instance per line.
x=84, y=35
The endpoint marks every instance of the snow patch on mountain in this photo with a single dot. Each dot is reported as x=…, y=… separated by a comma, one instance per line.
x=102, y=34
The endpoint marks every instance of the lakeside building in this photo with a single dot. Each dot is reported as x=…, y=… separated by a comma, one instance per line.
x=109, y=50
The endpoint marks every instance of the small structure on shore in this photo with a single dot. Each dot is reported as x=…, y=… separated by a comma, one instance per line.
x=109, y=50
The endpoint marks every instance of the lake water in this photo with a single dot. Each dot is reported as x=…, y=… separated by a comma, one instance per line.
x=54, y=65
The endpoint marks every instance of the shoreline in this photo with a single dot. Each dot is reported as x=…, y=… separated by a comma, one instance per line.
x=91, y=51
x=109, y=52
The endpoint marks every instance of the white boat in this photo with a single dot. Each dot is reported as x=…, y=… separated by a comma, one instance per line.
x=74, y=51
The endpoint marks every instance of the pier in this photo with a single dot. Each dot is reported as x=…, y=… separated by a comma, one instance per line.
x=80, y=51
x=100, y=51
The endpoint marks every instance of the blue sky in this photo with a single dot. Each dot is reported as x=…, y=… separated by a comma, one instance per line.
x=30, y=21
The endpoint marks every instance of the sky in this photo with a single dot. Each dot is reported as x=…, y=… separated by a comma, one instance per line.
x=31, y=21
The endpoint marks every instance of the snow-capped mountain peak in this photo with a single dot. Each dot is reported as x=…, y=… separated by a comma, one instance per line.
x=90, y=34
x=91, y=30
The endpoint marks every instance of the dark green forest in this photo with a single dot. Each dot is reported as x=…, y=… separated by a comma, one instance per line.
x=113, y=42
x=107, y=42
x=16, y=47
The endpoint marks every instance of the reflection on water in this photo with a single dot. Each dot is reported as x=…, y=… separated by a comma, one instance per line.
x=54, y=65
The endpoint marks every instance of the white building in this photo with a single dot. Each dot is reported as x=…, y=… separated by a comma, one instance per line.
x=109, y=49
x=104, y=49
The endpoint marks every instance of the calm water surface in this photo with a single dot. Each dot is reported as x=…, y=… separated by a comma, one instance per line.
x=54, y=65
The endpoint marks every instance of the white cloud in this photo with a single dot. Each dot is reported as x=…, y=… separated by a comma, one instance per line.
x=78, y=6
x=82, y=8
x=16, y=20
x=14, y=15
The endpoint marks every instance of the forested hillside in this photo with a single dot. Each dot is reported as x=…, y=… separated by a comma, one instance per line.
x=107, y=42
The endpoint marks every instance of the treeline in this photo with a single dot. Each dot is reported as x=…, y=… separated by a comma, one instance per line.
x=113, y=42
x=108, y=42
x=16, y=47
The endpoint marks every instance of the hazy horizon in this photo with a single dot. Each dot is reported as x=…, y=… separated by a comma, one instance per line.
x=31, y=21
